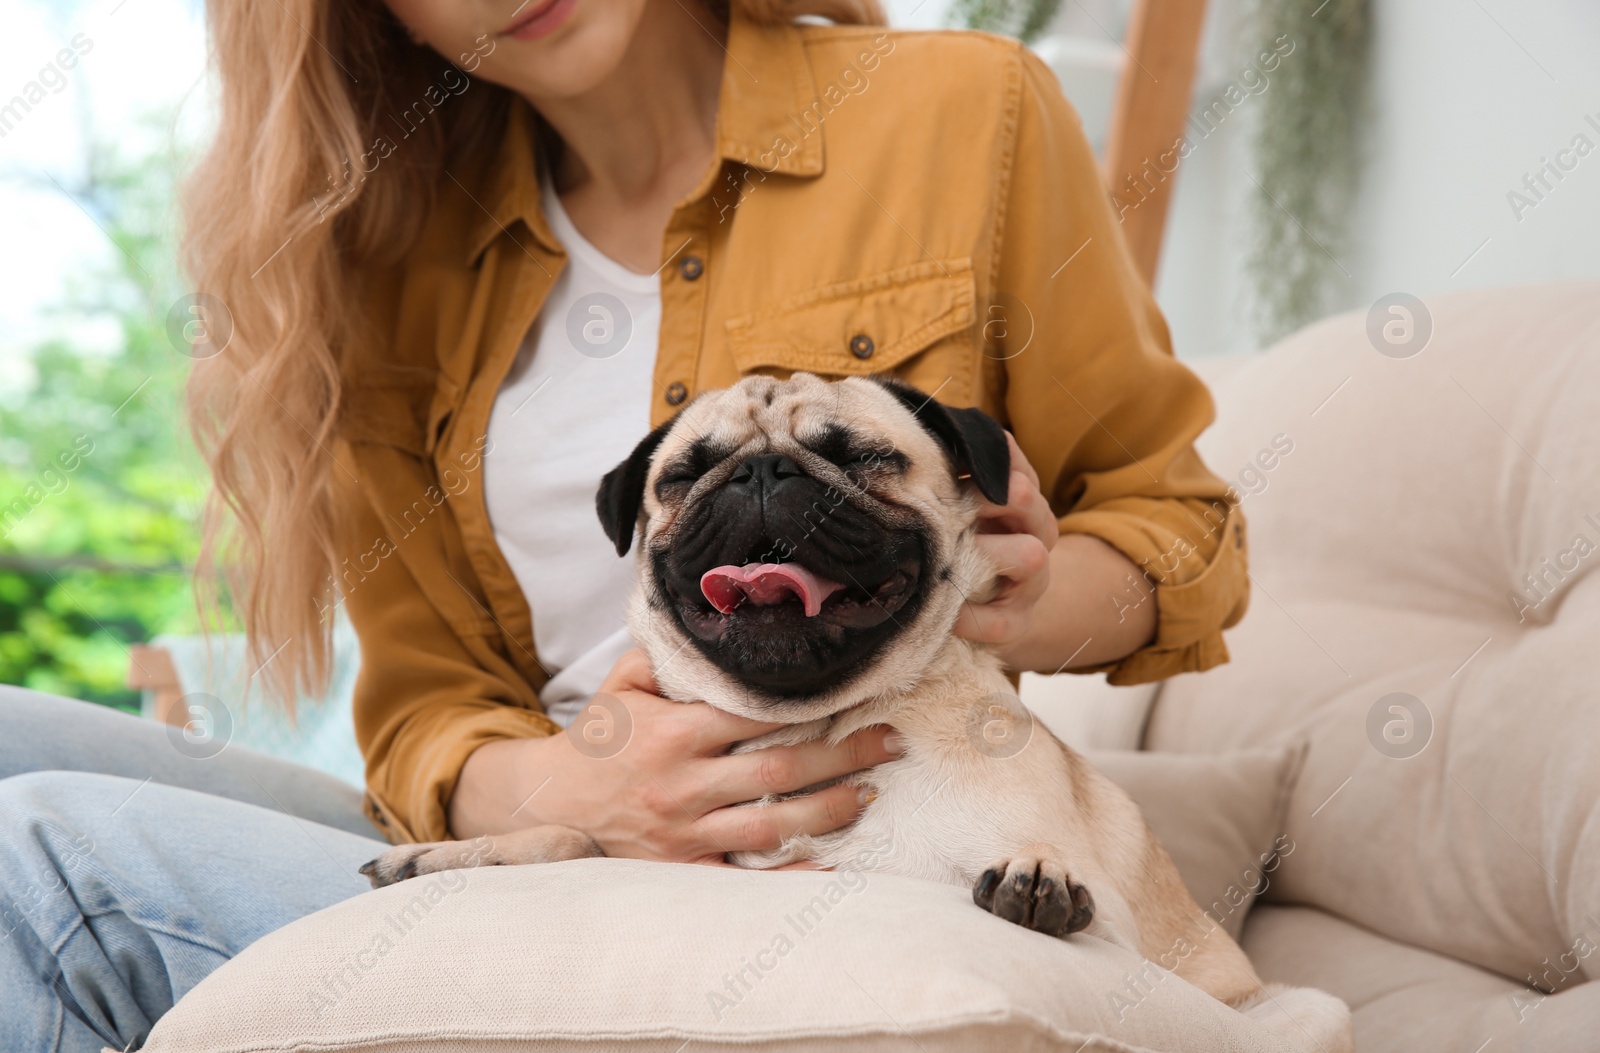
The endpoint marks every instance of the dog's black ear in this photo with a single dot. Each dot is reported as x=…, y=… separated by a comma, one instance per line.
x=975, y=440
x=622, y=491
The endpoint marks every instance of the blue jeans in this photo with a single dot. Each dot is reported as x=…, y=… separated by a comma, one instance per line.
x=132, y=865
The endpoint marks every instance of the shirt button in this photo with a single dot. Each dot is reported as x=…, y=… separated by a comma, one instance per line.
x=861, y=345
x=691, y=267
x=676, y=393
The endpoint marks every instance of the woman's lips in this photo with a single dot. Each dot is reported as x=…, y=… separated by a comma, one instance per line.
x=545, y=18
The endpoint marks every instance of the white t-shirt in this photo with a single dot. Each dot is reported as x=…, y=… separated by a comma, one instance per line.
x=576, y=402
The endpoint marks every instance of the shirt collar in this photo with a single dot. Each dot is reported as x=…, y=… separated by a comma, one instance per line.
x=768, y=114
x=762, y=121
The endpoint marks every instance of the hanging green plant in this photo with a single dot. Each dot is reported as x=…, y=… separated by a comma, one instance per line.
x=1307, y=154
x=1023, y=19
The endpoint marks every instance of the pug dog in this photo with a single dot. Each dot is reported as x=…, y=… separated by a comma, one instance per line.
x=806, y=548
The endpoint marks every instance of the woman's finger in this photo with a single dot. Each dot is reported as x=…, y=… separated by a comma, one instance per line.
x=762, y=827
x=1020, y=558
x=1020, y=462
x=1025, y=512
x=990, y=623
x=785, y=769
x=631, y=672
x=711, y=730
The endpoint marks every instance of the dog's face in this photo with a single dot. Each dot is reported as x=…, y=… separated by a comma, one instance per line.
x=807, y=545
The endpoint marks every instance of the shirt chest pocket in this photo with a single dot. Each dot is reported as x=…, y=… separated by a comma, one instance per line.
x=914, y=321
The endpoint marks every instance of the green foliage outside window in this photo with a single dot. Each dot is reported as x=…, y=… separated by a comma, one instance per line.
x=99, y=486
x=1023, y=19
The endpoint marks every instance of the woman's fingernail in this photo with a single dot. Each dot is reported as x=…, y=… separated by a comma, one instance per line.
x=894, y=743
x=866, y=795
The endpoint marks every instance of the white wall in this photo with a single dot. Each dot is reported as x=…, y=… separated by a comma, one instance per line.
x=1467, y=98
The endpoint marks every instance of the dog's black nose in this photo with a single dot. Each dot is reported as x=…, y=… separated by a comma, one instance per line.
x=764, y=472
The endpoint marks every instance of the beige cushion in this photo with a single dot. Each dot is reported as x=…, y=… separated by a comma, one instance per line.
x=1219, y=817
x=638, y=955
x=1386, y=548
x=618, y=954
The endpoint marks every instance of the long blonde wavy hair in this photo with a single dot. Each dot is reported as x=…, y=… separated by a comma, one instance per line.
x=274, y=231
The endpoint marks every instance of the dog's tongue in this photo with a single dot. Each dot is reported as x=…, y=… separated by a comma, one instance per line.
x=765, y=583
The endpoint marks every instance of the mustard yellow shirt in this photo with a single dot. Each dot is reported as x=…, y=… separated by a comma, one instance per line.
x=922, y=204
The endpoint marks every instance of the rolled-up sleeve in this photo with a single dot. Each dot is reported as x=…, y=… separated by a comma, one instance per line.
x=1099, y=404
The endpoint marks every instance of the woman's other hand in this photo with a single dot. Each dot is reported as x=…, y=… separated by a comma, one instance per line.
x=1065, y=600
x=1017, y=537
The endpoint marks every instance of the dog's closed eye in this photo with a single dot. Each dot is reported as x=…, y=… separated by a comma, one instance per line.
x=885, y=456
x=686, y=469
x=846, y=449
x=835, y=443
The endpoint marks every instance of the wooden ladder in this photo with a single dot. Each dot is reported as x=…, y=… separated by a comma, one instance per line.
x=1147, y=118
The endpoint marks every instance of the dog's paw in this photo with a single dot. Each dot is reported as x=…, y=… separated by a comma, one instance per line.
x=1036, y=893
x=409, y=861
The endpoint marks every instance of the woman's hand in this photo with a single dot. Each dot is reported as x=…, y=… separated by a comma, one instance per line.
x=1017, y=537
x=1065, y=601
x=663, y=789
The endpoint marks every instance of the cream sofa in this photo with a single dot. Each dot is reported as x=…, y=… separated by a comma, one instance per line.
x=1426, y=611
x=1424, y=511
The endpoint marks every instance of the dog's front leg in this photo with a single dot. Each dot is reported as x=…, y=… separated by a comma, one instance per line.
x=537, y=844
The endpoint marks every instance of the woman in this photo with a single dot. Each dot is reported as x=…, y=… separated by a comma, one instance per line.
x=473, y=251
